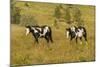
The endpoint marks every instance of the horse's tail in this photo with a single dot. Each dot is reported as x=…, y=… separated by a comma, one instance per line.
x=50, y=34
x=85, y=34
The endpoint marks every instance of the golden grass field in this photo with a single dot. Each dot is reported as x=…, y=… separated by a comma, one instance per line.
x=25, y=52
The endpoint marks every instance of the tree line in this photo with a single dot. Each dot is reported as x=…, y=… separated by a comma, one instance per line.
x=62, y=13
x=69, y=14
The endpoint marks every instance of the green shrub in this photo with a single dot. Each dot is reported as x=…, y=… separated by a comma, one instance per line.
x=27, y=20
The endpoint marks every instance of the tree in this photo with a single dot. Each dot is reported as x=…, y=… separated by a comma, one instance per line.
x=78, y=16
x=57, y=12
x=15, y=16
x=67, y=15
x=27, y=19
x=15, y=12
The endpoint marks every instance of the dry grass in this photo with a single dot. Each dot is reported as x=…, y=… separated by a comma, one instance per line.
x=25, y=52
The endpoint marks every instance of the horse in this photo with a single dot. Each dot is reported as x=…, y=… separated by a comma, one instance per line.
x=40, y=32
x=77, y=32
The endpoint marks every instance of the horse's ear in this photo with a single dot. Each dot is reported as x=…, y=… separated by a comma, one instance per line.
x=27, y=26
x=67, y=28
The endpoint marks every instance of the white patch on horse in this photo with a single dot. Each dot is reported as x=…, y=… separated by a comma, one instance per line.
x=35, y=31
x=73, y=28
x=80, y=33
x=67, y=34
x=39, y=29
x=27, y=31
x=45, y=30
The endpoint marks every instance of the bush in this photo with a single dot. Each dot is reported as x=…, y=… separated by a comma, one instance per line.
x=27, y=20
x=57, y=12
x=77, y=16
x=67, y=15
x=15, y=15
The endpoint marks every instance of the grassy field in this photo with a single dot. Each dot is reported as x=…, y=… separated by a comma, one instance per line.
x=25, y=52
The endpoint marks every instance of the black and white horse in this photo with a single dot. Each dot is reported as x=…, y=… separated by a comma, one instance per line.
x=77, y=32
x=40, y=32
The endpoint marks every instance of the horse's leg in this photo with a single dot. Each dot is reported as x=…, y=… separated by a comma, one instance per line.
x=50, y=37
x=47, y=39
x=36, y=36
x=71, y=39
x=81, y=40
x=36, y=39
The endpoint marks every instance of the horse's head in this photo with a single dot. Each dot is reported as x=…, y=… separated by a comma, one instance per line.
x=28, y=29
x=68, y=30
x=73, y=28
